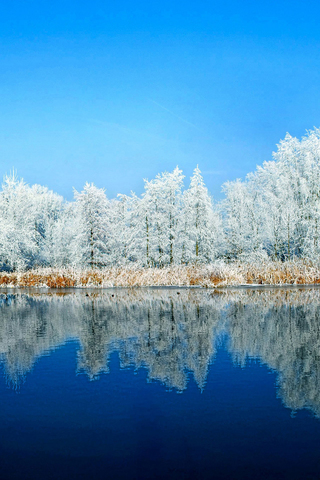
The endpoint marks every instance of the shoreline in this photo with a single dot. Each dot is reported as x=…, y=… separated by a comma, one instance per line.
x=214, y=276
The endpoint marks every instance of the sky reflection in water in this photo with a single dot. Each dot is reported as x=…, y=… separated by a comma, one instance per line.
x=75, y=401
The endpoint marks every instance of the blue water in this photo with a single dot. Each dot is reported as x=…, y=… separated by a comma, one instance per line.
x=129, y=419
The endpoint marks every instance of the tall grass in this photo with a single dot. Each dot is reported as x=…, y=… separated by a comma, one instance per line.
x=214, y=275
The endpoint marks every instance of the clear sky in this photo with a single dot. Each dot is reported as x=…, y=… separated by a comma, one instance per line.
x=112, y=92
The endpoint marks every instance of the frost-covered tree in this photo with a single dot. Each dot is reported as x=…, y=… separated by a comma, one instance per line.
x=201, y=225
x=242, y=219
x=274, y=212
x=277, y=207
x=140, y=234
x=125, y=230
x=17, y=234
x=299, y=164
x=162, y=202
x=27, y=216
x=92, y=227
x=45, y=208
x=64, y=238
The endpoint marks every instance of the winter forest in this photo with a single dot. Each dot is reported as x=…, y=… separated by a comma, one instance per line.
x=273, y=214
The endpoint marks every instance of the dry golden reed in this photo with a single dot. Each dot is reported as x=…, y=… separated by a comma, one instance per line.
x=215, y=275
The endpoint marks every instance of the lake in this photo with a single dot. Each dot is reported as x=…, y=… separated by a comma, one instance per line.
x=160, y=384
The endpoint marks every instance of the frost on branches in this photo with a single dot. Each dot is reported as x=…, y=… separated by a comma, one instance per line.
x=274, y=213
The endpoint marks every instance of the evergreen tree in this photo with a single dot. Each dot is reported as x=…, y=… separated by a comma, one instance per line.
x=201, y=226
x=92, y=227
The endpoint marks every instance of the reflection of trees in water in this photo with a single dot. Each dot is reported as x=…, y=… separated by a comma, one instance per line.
x=167, y=333
x=171, y=334
x=171, y=337
x=30, y=327
x=94, y=334
x=286, y=337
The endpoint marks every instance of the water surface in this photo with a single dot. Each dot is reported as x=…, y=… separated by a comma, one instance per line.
x=160, y=383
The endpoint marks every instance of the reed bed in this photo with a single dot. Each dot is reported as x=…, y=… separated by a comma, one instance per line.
x=219, y=274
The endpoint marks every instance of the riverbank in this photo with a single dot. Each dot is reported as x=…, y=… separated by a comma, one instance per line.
x=209, y=276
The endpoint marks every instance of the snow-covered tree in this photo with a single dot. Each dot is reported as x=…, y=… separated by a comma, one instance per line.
x=274, y=212
x=92, y=227
x=242, y=222
x=162, y=204
x=45, y=208
x=17, y=234
x=125, y=230
x=201, y=225
x=64, y=238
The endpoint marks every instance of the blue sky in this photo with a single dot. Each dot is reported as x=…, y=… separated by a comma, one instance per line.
x=114, y=92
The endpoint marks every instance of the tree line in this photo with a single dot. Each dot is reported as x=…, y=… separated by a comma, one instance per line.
x=274, y=213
